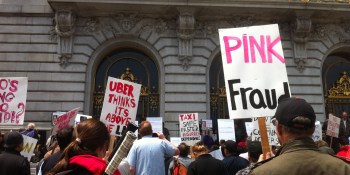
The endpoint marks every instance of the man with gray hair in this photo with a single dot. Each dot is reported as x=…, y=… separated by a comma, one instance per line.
x=31, y=131
x=299, y=155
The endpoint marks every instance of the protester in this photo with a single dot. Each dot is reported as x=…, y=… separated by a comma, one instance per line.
x=11, y=161
x=299, y=155
x=324, y=148
x=204, y=163
x=254, y=151
x=84, y=155
x=1, y=142
x=64, y=138
x=207, y=139
x=146, y=155
x=233, y=163
x=183, y=159
x=30, y=131
x=166, y=132
x=344, y=153
x=344, y=127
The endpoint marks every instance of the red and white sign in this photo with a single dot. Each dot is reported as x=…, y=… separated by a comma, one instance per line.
x=254, y=69
x=119, y=104
x=13, y=95
x=189, y=128
x=333, y=126
x=64, y=120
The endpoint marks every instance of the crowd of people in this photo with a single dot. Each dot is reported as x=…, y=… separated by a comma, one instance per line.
x=82, y=150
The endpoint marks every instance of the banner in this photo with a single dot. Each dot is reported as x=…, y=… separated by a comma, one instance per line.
x=29, y=145
x=157, y=123
x=271, y=131
x=254, y=69
x=333, y=126
x=64, y=120
x=13, y=95
x=226, y=129
x=119, y=105
x=317, y=135
x=189, y=128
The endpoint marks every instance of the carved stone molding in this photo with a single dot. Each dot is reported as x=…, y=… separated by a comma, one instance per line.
x=64, y=28
x=185, y=33
x=300, y=35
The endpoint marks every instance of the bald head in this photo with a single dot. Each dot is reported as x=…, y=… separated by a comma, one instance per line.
x=145, y=128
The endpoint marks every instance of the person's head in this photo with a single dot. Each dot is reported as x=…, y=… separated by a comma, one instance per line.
x=31, y=126
x=145, y=128
x=184, y=149
x=13, y=140
x=343, y=141
x=230, y=148
x=91, y=138
x=254, y=150
x=344, y=115
x=295, y=118
x=198, y=149
x=221, y=142
x=64, y=137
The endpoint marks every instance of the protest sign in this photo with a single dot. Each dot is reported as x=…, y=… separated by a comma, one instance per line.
x=29, y=145
x=249, y=127
x=189, y=128
x=271, y=131
x=175, y=140
x=333, y=126
x=207, y=124
x=64, y=120
x=119, y=105
x=13, y=95
x=157, y=123
x=254, y=70
x=317, y=135
x=80, y=117
x=226, y=129
x=55, y=116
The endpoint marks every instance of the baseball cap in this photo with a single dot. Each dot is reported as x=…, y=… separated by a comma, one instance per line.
x=290, y=108
x=12, y=139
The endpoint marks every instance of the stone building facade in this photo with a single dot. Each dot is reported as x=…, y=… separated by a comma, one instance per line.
x=68, y=48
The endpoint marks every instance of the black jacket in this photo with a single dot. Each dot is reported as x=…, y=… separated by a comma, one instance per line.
x=50, y=162
x=206, y=164
x=12, y=163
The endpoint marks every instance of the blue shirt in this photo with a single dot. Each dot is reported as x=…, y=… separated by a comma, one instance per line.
x=147, y=155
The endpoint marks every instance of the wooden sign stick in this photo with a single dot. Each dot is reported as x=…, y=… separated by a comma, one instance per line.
x=330, y=145
x=263, y=136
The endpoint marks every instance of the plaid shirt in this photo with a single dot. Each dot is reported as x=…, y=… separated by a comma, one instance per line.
x=246, y=170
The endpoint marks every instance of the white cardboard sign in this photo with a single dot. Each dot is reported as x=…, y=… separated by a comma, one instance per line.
x=119, y=104
x=189, y=128
x=13, y=95
x=254, y=69
x=29, y=145
x=226, y=129
x=317, y=135
x=333, y=126
x=64, y=120
x=157, y=123
x=271, y=131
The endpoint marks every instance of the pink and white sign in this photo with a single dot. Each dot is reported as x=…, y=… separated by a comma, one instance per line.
x=254, y=69
x=333, y=126
x=119, y=104
x=189, y=128
x=13, y=95
x=64, y=120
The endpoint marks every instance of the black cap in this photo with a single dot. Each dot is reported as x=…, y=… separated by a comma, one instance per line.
x=290, y=108
x=12, y=139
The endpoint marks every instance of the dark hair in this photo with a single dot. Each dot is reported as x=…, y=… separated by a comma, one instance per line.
x=90, y=135
x=64, y=137
x=301, y=132
x=145, y=128
x=231, y=146
x=184, y=149
x=254, y=150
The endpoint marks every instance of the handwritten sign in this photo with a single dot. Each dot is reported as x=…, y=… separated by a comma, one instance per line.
x=119, y=105
x=317, y=135
x=226, y=129
x=157, y=123
x=189, y=128
x=55, y=117
x=64, y=120
x=175, y=140
x=206, y=124
x=271, y=131
x=29, y=145
x=80, y=117
x=254, y=70
x=333, y=126
x=249, y=127
x=13, y=94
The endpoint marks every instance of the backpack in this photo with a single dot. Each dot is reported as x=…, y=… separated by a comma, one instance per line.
x=179, y=168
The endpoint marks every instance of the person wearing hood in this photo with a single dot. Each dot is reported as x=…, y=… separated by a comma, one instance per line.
x=11, y=160
x=84, y=155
